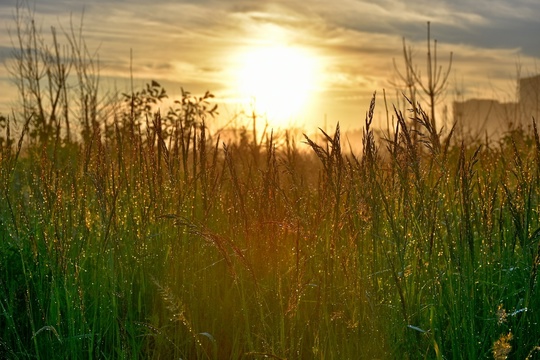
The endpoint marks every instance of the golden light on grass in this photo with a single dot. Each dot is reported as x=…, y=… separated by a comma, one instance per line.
x=502, y=347
x=277, y=81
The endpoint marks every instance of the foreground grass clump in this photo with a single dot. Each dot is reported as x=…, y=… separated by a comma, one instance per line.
x=147, y=238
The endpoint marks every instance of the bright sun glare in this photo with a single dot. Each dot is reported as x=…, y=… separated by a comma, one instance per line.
x=277, y=82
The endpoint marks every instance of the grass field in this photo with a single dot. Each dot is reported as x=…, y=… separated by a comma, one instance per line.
x=126, y=233
x=150, y=239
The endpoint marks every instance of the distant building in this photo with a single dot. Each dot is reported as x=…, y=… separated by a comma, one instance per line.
x=529, y=98
x=486, y=117
x=481, y=117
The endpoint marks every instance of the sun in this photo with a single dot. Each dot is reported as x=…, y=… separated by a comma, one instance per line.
x=277, y=81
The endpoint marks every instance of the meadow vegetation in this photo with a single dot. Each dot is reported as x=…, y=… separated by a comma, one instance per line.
x=128, y=232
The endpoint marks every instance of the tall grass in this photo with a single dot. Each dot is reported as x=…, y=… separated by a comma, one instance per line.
x=148, y=242
x=146, y=237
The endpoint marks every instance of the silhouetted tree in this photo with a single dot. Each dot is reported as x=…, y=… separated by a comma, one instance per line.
x=431, y=88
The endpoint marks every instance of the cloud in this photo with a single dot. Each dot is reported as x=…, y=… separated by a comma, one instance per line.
x=5, y=53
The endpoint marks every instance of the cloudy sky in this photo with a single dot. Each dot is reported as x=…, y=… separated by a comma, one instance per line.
x=345, y=47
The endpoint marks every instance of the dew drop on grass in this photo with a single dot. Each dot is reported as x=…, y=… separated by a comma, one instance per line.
x=208, y=335
x=416, y=328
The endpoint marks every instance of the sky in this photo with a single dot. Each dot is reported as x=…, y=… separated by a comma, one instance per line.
x=338, y=52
